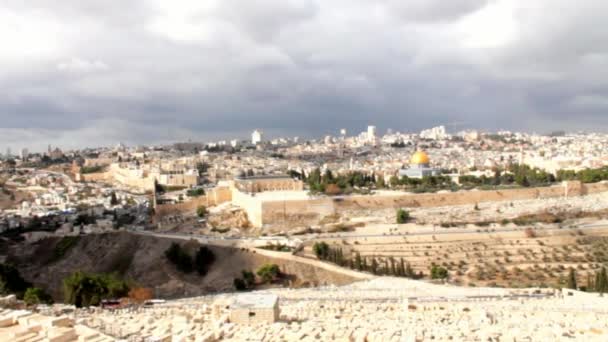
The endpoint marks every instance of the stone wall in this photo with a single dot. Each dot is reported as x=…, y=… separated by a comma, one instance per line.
x=215, y=196
x=297, y=212
x=179, y=208
x=93, y=177
x=250, y=204
x=309, y=212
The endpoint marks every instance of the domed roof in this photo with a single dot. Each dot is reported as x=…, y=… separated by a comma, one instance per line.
x=420, y=158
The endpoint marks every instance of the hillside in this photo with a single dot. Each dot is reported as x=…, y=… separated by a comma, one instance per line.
x=141, y=259
x=517, y=258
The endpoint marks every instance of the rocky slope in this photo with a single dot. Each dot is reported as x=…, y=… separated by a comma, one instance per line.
x=141, y=259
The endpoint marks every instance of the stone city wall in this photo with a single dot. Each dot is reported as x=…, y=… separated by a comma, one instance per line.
x=179, y=208
x=297, y=212
x=93, y=177
x=213, y=197
x=309, y=212
x=250, y=204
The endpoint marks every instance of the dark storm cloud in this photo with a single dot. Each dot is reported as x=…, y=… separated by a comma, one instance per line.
x=99, y=72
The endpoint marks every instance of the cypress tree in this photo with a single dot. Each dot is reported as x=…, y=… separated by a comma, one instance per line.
x=572, y=280
x=358, y=262
x=409, y=272
x=601, y=282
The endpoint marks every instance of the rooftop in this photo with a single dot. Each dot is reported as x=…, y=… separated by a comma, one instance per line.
x=255, y=301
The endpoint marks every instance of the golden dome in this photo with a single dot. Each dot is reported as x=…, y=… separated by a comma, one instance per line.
x=420, y=158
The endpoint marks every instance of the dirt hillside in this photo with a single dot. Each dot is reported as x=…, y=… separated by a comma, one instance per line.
x=141, y=259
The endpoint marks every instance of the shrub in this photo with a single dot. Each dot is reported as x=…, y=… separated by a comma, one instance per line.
x=249, y=278
x=203, y=260
x=63, y=246
x=201, y=211
x=402, y=216
x=11, y=281
x=268, y=272
x=83, y=289
x=438, y=272
x=195, y=192
x=239, y=284
x=91, y=169
x=246, y=282
x=177, y=256
x=321, y=250
x=35, y=295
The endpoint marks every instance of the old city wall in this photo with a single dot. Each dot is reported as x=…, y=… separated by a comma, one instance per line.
x=94, y=177
x=179, y=208
x=446, y=199
x=309, y=212
x=594, y=188
x=250, y=204
x=297, y=212
x=214, y=196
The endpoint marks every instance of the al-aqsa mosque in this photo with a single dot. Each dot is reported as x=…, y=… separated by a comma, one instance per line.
x=420, y=166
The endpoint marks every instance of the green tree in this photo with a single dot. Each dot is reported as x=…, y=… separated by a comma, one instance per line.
x=268, y=272
x=177, y=256
x=358, y=262
x=321, y=250
x=601, y=281
x=409, y=272
x=249, y=278
x=11, y=281
x=402, y=216
x=380, y=184
x=201, y=211
x=35, y=295
x=239, y=284
x=394, y=181
x=572, y=280
x=374, y=266
x=438, y=272
x=83, y=289
x=203, y=259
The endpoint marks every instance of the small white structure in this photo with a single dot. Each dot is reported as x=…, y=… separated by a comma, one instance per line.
x=254, y=309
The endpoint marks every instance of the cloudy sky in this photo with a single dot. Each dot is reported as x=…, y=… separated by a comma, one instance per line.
x=96, y=72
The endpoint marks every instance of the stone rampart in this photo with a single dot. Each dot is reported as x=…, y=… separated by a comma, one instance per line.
x=307, y=212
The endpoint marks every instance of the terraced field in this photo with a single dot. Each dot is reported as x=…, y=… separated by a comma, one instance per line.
x=520, y=258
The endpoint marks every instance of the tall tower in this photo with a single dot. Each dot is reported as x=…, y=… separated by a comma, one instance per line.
x=257, y=137
x=371, y=134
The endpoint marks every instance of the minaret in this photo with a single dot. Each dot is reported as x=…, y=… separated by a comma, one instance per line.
x=521, y=155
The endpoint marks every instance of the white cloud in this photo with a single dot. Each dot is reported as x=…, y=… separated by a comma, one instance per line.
x=78, y=65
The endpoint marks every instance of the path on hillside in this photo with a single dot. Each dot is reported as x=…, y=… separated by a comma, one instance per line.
x=249, y=244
